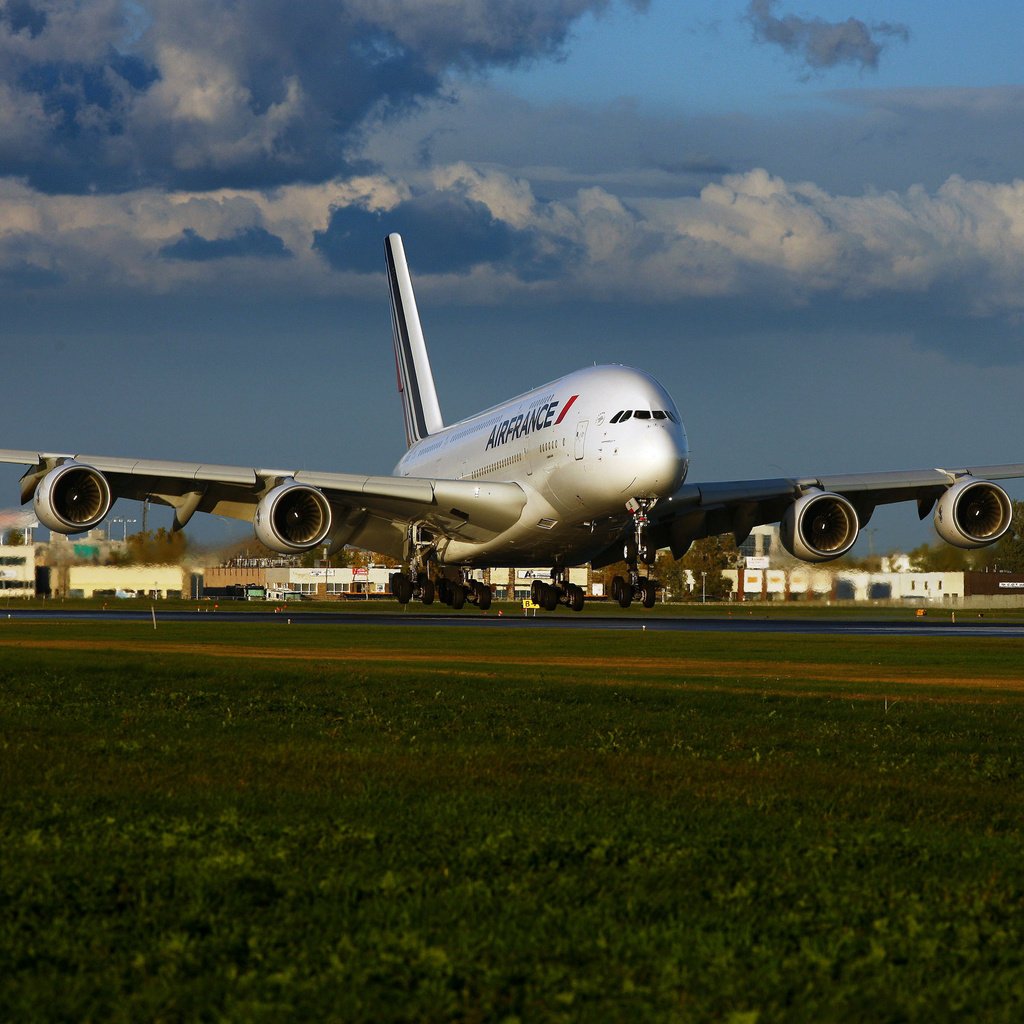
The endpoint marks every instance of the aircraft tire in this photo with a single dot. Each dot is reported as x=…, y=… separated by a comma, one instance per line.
x=458, y=596
x=618, y=585
x=401, y=587
x=576, y=598
x=443, y=590
x=427, y=591
x=625, y=597
x=537, y=591
x=483, y=596
x=650, y=593
x=549, y=597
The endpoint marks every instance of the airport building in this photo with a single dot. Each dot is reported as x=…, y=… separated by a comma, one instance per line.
x=17, y=570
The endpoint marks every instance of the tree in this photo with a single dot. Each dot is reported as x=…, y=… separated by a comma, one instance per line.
x=15, y=537
x=1008, y=554
x=162, y=547
x=672, y=576
x=706, y=560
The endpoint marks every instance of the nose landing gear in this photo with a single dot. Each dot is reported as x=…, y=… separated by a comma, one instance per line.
x=637, y=587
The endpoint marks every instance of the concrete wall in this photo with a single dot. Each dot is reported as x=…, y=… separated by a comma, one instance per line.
x=85, y=580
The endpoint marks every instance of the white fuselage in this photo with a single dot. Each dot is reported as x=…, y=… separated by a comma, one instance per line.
x=576, y=466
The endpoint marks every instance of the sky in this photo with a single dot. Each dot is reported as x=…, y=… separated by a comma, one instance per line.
x=807, y=220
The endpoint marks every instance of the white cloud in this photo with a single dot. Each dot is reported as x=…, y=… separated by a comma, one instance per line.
x=749, y=236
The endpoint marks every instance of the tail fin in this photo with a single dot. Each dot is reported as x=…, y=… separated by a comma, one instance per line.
x=415, y=381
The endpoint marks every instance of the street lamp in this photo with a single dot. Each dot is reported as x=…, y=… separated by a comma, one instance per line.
x=703, y=591
x=124, y=523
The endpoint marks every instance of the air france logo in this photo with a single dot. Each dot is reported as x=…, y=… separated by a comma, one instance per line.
x=537, y=417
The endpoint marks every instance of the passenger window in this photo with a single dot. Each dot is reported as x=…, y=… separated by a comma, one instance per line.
x=642, y=414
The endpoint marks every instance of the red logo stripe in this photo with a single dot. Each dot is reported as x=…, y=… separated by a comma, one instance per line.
x=565, y=409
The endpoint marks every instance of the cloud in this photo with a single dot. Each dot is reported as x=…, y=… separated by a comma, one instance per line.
x=466, y=220
x=251, y=242
x=823, y=44
x=109, y=95
x=478, y=236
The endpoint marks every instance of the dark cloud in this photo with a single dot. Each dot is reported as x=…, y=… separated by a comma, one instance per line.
x=252, y=242
x=445, y=233
x=31, y=276
x=109, y=95
x=823, y=44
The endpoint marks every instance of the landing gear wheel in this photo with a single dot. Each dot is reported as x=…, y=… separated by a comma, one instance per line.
x=537, y=591
x=401, y=587
x=618, y=585
x=427, y=592
x=458, y=596
x=625, y=595
x=443, y=589
x=549, y=597
x=576, y=597
x=483, y=596
x=650, y=593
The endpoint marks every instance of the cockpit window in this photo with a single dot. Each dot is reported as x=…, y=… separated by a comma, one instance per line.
x=644, y=414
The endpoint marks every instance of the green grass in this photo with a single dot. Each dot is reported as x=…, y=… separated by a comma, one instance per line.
x=261, y=822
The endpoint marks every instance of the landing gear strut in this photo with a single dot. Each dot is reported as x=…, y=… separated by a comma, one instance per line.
x=421, y=549
x=560, y=591
x=637, y=587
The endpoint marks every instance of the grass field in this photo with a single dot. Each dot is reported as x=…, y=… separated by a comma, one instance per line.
x=267, y=822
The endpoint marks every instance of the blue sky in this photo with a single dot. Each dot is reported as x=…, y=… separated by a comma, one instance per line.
x=807, y=220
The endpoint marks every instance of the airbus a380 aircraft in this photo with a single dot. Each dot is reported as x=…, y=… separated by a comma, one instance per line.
x=589, y=468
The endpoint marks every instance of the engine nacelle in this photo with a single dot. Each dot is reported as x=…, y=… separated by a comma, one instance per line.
x=973, y=513
x=72, y=498
x=292, y=517
x=819, y=527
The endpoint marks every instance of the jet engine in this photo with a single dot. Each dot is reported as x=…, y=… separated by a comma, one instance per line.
x=292, y=517
x=819, y=527
x=973, y=513
x=72, y=498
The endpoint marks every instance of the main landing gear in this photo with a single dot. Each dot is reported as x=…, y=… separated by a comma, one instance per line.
x=637, y=587
x=454, y=593
x=421, y=550
x=560, y=591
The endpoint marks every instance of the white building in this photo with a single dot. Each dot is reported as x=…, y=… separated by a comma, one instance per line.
x=17, y=570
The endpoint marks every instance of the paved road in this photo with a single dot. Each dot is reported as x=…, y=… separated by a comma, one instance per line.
x=928, y=626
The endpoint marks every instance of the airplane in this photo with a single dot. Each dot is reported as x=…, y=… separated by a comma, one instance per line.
x=589, y=468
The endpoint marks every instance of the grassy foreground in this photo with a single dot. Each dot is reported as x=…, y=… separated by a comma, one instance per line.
x=268, y=822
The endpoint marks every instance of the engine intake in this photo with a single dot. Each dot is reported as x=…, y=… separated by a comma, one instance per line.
x=973, y=513
x=819, y=526
x=292, y=517
x=72, y=498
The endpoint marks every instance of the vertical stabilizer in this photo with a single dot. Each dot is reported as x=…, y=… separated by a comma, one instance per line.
x=415, y=381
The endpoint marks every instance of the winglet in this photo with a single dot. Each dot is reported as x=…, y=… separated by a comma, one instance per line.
x=415, y=380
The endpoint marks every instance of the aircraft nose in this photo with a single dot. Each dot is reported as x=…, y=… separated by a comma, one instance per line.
x=660, y=462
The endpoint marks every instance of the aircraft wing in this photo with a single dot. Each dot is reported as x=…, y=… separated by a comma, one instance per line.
x=370, y=511
x=737, y=506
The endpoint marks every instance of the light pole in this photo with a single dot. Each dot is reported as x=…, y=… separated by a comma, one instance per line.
x=703, y=590
x=124, y=523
